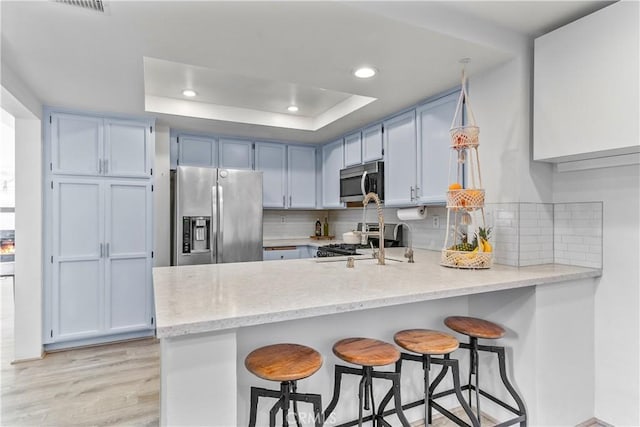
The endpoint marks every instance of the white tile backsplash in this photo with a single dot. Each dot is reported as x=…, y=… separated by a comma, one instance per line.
x=291, y=224
x=578, y=234
x=522, y=233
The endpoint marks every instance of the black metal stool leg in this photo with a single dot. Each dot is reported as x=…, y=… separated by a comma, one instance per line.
x=510, y=388
x=398, y=401
x=475, y=422
x=426, y=366
x=317, y=411
x=338, y=371
x=285, y=390
x=272, y=413
x=387, y=398
x=441, y=375
x=361, y=391
x=254, y=407
x=295, y=404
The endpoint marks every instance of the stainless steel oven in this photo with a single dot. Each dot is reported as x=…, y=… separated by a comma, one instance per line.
x=357, y=181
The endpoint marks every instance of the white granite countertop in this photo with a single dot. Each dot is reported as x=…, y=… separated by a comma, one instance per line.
x=204, y=298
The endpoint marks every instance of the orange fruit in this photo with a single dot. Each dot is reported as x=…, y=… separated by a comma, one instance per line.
x=455, y=186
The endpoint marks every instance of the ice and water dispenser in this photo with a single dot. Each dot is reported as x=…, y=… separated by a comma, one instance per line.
x=196, y=234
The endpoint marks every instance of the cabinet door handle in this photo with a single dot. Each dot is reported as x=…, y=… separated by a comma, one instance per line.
x=101, y=250
x=417, y=196
x=106, y=251
x=289, y=201
x=99, y=166
x=412, y=193
x=106, y=166
x=284, y=202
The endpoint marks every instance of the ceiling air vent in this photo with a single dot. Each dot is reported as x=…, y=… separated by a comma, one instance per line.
x=97, y=5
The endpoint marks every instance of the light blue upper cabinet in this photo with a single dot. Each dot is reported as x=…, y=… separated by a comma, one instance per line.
x=302, y=177
x=197, y=151
x=271, y=159
x=97, y=146
x=332, y=162
x=434, y=121
x=372, y=143
x=400, y=159
x=76, y=144
x=353, y=149
x=128, y=149
x=236, y=154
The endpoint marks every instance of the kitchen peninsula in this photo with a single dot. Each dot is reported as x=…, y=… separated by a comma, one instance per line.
x=209, y=317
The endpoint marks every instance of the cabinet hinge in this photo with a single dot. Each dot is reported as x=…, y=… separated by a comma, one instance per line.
x=151, y=129
x=51, y=333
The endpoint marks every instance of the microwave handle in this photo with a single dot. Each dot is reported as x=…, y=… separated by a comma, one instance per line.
x=362, y=181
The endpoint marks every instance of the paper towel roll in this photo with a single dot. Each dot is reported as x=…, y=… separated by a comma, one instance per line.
x=412, y=214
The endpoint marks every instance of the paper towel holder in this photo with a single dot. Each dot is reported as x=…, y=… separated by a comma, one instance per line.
x=414, y=213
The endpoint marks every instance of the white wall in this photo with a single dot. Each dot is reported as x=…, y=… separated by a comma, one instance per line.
x=28, y=261
x=501, y=102
x=617, y=297
x=18, y=100
x=161, y=212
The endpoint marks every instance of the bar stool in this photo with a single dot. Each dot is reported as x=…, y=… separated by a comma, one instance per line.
x=476, y=328
x=367, y=353
x=286, y=363
x=427, y=343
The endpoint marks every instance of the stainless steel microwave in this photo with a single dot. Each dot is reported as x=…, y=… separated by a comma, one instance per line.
x=357, y=181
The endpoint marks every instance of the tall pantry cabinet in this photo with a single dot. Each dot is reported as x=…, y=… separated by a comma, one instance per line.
x=98, y=229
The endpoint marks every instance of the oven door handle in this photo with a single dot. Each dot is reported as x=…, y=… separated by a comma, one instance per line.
x=362, y=183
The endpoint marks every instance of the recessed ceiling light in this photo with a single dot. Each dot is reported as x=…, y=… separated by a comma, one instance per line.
x=189, y=92
x=292, y=108
x=364, y=72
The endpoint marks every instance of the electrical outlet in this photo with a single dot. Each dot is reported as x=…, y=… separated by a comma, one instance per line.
x=436, y=221
x=283, y=219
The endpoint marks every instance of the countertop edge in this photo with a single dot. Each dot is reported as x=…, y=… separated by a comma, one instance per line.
x=220, y=325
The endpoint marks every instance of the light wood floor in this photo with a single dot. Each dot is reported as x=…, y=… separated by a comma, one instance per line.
x=115, y=384
x=104, y=385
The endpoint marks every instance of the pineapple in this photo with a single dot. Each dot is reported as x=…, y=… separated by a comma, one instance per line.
x=465, y=247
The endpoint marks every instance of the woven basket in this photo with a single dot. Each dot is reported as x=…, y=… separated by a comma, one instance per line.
x=466, y=199
x=462, y=259
x=464, y=136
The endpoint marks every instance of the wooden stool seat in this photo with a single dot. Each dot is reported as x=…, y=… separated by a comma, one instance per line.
x=366, y=351
x=473, y=327
x=283, y=362
x=426, y=341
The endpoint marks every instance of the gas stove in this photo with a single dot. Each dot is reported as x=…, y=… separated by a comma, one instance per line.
x=339, y=249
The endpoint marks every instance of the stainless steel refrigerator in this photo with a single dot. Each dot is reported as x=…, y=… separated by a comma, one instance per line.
x=217, y=216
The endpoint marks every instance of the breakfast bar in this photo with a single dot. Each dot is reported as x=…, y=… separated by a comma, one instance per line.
x=209, y=317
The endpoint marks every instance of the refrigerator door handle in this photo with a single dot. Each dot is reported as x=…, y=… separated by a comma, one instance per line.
x=213, y=236
x=221, y=220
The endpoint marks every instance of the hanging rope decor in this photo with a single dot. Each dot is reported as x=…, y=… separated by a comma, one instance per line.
x=466, y=242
